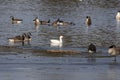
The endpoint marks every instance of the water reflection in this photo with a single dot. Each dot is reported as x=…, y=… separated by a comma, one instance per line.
x=113, y=70
x=118, y=24
x=37, y=28
x=91, y=58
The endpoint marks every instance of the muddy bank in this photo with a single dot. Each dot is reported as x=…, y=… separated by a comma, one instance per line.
x=38, y=51
x=35, y=50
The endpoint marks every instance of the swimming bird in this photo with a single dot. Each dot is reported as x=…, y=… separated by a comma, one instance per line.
x=36, y=21
x=59, y=22
x=18, y=38
x=64, y=23
x=118, y=16
x=55, y=22
x=27, y=36
x=45, y=22
x=92, y=48
x=55, y=42
x=113, y=50
x=39, y=22
x=15, y=20
x=88, y=21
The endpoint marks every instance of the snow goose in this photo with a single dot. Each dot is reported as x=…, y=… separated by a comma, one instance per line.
x=55, y=42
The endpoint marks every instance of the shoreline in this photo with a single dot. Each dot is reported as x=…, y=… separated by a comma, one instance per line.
x=50, y=52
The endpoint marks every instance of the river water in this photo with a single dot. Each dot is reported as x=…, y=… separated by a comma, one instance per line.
x=26, y=64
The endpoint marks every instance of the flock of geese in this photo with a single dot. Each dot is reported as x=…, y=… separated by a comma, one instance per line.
x=26, y=37
x=113, y=50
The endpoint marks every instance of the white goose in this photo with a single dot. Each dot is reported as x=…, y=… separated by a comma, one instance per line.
x=55, y=42
x=118, y=16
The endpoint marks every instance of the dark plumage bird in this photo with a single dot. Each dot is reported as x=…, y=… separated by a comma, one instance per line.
x=59, y=22
x=92, y=48
x=18, y=38
x=39, y=22
x=113, y=50
x=25, y=37
x=15, y=20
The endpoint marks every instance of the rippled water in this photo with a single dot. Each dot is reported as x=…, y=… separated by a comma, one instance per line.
x=28, y=65
x=103, y=32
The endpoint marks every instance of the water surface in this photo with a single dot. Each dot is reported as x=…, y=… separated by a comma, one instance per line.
x=23, y=62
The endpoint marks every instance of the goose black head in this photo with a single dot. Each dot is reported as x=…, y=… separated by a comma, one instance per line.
x=112, y=46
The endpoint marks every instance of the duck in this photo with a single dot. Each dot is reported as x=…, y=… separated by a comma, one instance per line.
x=39, y=22
x=55, y=42
x=118, y=16
x=114, y=51
x=92, y=48
x=15, y=20
x=88, y=21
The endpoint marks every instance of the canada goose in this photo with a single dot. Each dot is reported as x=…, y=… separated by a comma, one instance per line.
x=88, y=21
x=15, y=21
x=65, y=23
x=27, y=36
x=18, y=38
x=113, y=50
x=55, y=42
x=92, y=48
x=55, y=22
x=118, y=16
x=36, y=21
x=39, y=22
x=45, y=22
x=59, y=22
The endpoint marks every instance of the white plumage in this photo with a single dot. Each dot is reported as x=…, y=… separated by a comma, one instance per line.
x=118, y=16
x=55, y=42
